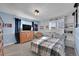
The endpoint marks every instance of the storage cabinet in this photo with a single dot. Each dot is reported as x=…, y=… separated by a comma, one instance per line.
x=26, y=36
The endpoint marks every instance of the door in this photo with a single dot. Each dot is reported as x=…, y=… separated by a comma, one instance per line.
x=1, y=37
x=17, y=29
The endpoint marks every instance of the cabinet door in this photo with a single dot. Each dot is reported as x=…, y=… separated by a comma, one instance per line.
x=1, y=37
x=30, y=35
x=23, y=37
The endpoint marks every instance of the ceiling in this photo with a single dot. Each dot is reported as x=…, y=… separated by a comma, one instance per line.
x=46, y=10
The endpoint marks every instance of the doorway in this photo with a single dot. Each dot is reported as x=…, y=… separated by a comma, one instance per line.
x=1, y=37
x=17, y=29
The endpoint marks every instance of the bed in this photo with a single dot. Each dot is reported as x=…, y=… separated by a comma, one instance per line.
x=49, y=46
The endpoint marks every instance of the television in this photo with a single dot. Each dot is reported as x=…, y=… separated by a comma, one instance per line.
x=26, y=27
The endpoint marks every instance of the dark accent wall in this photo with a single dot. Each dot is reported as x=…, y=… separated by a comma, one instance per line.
x=35, y=26
x=17, y=29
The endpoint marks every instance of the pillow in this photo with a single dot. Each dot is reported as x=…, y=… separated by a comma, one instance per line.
x=47, y=34
x=38, y=35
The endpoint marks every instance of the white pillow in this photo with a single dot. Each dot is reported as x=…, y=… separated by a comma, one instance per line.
x=44, y=37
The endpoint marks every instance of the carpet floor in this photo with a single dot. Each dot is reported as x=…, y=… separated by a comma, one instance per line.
x=25, y=50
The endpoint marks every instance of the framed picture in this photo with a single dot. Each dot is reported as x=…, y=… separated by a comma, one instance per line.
x=41, y=27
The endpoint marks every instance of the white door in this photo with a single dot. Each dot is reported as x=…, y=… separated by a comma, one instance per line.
x=1, y=37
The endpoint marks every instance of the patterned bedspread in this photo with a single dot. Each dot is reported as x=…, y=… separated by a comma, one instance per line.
x=47, y=45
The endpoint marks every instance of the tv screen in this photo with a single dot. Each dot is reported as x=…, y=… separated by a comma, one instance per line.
x=26, y=27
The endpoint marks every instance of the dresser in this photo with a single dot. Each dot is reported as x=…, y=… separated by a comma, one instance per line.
x=26, y=36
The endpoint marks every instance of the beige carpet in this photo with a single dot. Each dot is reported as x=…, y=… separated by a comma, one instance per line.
x=70, y=51
x=18, y=50
x=25, y=50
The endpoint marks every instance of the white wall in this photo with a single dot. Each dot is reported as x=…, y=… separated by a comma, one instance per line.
x=43, y=23
x=56, y=29
x=70, y=19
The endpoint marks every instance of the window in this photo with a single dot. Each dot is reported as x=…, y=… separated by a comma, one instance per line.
x=52, y=24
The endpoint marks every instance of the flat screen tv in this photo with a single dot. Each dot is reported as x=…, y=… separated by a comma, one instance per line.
x=26, y=27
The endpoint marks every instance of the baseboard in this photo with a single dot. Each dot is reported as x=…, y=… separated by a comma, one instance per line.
x=9, y=44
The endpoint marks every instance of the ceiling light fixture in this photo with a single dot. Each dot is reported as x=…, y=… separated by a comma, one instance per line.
x=36, y=12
